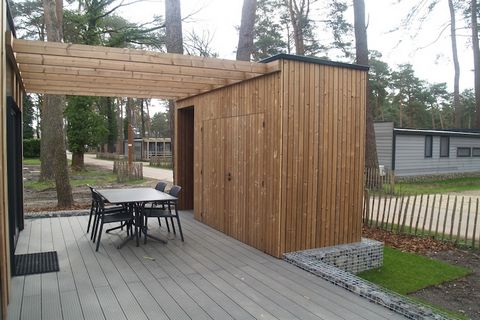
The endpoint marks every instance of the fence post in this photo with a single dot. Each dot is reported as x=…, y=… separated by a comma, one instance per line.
x=468, y=219
x=413, y=213
x=452, y=220
x=404, y=215
x=418, y=214
x=438, y=216
x=460, y=220
x=384, y=209
x=431, y=213
x=392, y=181
x=393, y=214
x=475, y=227
x=378, y=209
x=445, y=218
x=425, y=215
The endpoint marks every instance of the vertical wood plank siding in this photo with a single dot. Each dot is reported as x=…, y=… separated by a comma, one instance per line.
x=292, y=144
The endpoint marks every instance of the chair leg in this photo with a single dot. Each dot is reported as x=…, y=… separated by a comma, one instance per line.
x=168, y=226
x=146, y=230
x=94, y=227
x=179, y=227
x=173, y=225
x=99, y=236
x=159, y=223
x=90, y=218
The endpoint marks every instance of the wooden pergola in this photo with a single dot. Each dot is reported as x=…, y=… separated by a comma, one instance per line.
x=73, y=69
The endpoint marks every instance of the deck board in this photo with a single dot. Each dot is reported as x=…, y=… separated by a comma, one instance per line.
x=209, y=276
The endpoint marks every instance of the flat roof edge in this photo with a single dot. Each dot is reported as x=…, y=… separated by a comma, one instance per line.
x=315, y=60
x=433, y=132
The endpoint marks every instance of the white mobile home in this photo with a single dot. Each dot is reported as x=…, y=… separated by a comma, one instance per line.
x=413, y=152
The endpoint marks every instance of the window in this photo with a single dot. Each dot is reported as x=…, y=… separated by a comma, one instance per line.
x=463, y=152
x=428, y=146
x=476, y=152
x=444, y=147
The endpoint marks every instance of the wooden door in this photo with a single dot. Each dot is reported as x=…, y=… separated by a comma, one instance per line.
x=233, y=177
x=213, y=174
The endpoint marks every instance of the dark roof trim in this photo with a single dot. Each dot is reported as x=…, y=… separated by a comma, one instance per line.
x=10, y=20
x=431, y=132
x=315, y=60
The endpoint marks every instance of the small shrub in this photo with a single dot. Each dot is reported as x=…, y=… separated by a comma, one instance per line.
x=31, y=148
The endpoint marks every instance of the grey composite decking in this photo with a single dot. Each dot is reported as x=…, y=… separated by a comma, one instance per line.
x=209, y=276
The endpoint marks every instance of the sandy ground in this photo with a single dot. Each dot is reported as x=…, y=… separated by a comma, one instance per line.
x=148, y=172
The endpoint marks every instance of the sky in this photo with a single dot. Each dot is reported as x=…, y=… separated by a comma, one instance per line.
x=220, y=18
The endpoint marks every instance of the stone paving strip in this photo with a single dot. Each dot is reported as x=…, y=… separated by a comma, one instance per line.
x=60, y=213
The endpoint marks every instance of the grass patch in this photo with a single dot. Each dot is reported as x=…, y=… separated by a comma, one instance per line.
x=31, y=161
x=404, y=272
x=438, y=186
x=91, y=175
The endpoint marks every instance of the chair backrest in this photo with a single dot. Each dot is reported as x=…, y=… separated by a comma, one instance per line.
x=161, y=186
x=92, y=189
x=97, y=198
x=175, y=190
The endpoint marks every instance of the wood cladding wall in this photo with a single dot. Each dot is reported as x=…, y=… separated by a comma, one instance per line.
x=278, y=160
x=323, y=130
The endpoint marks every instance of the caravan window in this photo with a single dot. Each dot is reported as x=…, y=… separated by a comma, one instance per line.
x=463, y=152
x=444, y=147
x=428, y=146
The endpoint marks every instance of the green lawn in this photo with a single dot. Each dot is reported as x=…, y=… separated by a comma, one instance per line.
x=407, y=272
x=91, y=175
x=32, y=161
x=438, y=186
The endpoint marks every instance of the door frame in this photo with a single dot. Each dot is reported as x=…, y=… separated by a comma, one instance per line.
x=15, y=174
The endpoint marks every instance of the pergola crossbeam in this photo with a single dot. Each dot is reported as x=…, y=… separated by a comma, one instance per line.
x=51, y=67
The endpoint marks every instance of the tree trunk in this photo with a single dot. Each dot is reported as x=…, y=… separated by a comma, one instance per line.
x=53, y=116
x=457, y=107
x=120, y=135
x=476, y=61
x=142, y=116
x=53, y=111
x=296, y=18
x=78, y=163
x=46, y=151
x=174, y=44
x=245, y=36
x=173, y=27
x=112, y=125
x=400, y=115
x=361, y=46
x=131, y=149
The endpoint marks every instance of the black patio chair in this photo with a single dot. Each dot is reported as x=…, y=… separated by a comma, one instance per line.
x=93, y=212
x=169, y=210
x=160, y=187
x=123, y=216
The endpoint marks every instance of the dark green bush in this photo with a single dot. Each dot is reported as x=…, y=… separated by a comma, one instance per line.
x=31, y=148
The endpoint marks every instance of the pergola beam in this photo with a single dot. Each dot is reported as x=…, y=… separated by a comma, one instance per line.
x=134, y=55
x=101, y=80
x=60, y=68
x=77, y=91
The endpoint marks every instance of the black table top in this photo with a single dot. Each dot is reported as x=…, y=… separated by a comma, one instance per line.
x=129, y=195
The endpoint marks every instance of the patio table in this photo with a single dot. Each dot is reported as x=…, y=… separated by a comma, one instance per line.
x=135, y=199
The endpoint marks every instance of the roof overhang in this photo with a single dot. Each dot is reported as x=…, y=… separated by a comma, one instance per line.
x=73, y=69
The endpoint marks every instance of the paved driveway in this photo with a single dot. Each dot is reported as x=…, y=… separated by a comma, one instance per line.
x=149, y=172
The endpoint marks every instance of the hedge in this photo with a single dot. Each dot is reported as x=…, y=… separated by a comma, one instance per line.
x=31, y=148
